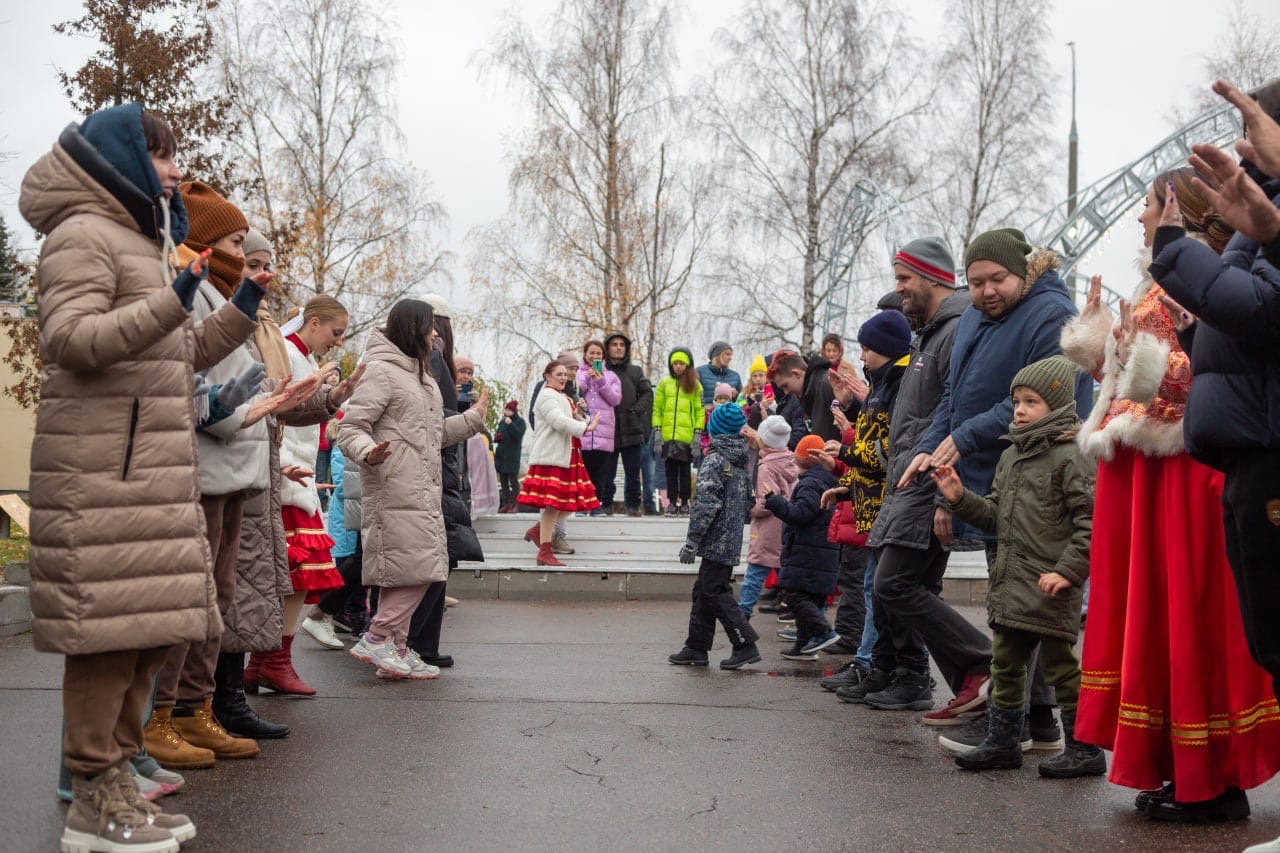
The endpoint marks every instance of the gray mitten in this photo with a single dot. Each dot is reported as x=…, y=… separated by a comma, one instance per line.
x=202, y=388
x=239, y=389
x=688, y=553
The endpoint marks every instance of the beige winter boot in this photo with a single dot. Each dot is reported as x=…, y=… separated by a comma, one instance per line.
x=100, y=819
x=167, y=746
x=178, y=825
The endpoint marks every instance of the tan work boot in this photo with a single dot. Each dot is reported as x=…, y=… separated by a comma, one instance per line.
x=165, y=745
x=200, y=729
x=178, y=825
x=560, y=544
x=100, y=819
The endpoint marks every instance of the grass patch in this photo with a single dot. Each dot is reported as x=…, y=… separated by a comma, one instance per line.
x=14, y=550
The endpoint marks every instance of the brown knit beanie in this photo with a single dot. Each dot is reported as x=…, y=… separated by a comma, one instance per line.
x=211, y=216
x=1007, y=247
x=1053, y=378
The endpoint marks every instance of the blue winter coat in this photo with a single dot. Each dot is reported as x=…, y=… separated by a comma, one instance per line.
x=721, y=500
x=344, y=540
x=1234, y=403
x=975, y=409
x=810, y=563
x=709, y=376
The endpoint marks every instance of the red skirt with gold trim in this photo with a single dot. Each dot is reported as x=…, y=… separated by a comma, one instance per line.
x=310, y=564
x=1167, y=680
x=566, y=489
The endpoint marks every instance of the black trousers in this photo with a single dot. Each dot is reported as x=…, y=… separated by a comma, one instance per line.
x=1251, y=521
x=679, y=481
x=428, y=619
x=632, y=457
x=508, y=489
x=807, y=607
x=908, y=582
x=851, y=612
x=713, y=600
x=332, y=601
x=602, y=466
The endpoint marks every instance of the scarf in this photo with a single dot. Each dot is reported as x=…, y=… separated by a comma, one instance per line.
x=225, y=271
x=1058, y=425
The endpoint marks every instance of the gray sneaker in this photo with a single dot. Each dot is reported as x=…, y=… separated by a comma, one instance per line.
x=384, y=656
x=100, y=819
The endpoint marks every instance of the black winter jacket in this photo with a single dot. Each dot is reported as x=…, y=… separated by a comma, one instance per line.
x=634, y=413
x=1234, y=403
x=792, y=411
x=721, y=501
x=810, y=563
x=455, y=491
x=506, y=445
x=817, y=397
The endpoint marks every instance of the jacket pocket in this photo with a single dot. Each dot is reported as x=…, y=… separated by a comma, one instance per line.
x=128, y=447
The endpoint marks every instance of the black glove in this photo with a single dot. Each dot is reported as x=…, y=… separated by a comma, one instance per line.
x=247, y=298
x=186, y=285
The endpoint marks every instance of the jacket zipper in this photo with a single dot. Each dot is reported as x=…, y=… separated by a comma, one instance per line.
x=128, y=448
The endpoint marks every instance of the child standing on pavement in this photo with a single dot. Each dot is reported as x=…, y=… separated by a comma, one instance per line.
x=1041, y=510
x=715, y=535
x=776, y=472
x=810, y=562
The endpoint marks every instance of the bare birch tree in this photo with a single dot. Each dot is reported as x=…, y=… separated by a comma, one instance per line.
x=994, y=117
x=605, y=226
x=313, y=87
x=812, y=96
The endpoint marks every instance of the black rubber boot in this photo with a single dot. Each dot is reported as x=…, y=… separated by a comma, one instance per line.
x=230, y=706
x=1078, y=759
x=1002, y=750
x=688, y=657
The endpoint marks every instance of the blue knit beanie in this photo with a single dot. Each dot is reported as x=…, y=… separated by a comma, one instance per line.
x=887, y=333
x=726, y=419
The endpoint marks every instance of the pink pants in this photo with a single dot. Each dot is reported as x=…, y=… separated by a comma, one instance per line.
x=395, y=610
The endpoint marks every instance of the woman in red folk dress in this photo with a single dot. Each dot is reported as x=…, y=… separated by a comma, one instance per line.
x=557, y=481
x=1168, y=684
x=320, y=327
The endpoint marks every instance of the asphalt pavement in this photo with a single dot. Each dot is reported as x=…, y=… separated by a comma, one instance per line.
x=563, y=728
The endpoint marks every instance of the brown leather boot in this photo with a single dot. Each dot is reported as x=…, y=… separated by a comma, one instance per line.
x=167, y=746
x=198, y=727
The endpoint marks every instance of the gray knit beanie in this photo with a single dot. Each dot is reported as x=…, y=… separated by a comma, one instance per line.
x=254, y=241
x=929, y=257
x=717, y=348
x=1053, y=378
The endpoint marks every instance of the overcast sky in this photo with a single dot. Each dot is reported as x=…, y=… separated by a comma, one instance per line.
x=1136, y=60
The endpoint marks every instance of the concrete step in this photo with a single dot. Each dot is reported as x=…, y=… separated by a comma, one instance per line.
x=618, y=525
x=18, y=573
x=15, y=610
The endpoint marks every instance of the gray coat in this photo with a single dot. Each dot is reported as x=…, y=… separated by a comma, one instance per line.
x=721, y=501
x=906, y=518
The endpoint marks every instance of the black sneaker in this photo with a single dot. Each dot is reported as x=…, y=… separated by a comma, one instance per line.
x=688, y=657
x=840, y=648
x=874, y=682
x=672, y=511
x=849, y=675
x=770, y=607
x=1045, y=737
x=974, y=732
x=799, y=652
x=908, y=692
x=1232, y=804
x=769, y=594
x=741, y=657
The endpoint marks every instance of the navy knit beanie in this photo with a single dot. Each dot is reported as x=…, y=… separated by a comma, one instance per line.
x=726, y=419
x=887, y=333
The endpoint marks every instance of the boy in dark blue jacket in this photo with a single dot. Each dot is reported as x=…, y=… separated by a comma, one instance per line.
x=810, y=563
x=716, y=518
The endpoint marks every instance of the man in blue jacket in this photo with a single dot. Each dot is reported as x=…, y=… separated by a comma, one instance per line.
x=1019, y=305
x=717, y=370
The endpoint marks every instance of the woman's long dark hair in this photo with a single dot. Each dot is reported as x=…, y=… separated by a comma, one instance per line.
x=444, y=328
x=409, y=328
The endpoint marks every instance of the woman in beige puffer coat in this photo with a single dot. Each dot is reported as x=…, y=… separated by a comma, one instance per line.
x=393, y=430
x=120, y=563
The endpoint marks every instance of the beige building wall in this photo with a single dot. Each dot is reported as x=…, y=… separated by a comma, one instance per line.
x=17, y=428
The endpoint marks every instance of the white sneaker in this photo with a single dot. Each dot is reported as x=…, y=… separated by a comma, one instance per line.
x=321, y=630
x=1264, y=847
x=450, y=601
x=420, y=670
x=384, y=656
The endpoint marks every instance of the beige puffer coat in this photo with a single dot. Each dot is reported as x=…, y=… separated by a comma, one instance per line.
x=119, y=557
x=402, y=525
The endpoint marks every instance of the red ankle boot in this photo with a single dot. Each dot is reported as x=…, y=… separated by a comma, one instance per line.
x=534, y=534
x=253, y=670
x=277, y=672
x=546, y=557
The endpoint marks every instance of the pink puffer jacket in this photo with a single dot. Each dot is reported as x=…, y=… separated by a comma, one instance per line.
x=601, y=395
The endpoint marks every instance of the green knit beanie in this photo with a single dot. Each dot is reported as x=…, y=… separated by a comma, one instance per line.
x=1007, y=247
x=1053, y=378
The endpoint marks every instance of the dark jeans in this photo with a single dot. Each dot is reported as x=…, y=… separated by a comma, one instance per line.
x=631, y=457
x=1251, y=520
x=647, y=476
x=851, y=612
x=601, y=467
x=679, y=481
x=324, y=457
x=428, y=619
x=509, y=489
x=906, y=582
x=713, y=600
x=350, y=566
x=807, y=607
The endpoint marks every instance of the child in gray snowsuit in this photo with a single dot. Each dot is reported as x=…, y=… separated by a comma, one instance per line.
x=715, y=534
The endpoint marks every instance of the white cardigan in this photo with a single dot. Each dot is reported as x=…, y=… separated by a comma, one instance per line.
x=301, y=445
x=556, y=427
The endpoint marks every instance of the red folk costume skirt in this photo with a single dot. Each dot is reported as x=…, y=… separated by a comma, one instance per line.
x=1168, y=684
x=310, y=564
x=566, y=489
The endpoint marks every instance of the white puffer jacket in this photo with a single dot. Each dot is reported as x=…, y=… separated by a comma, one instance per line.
x=555, y=430
x=301, y=445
